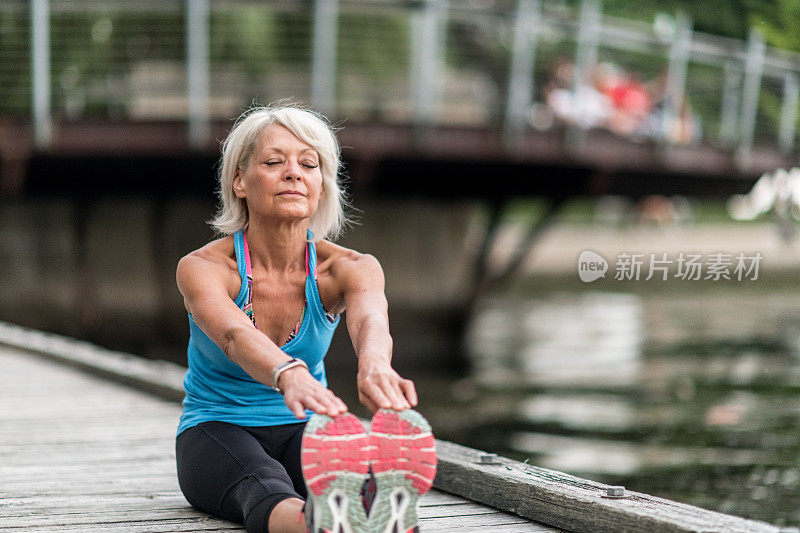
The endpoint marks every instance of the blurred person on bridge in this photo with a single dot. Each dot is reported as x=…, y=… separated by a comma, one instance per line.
x=263, y=302
x=677, y=126
x=585, y=105
x=632, y=104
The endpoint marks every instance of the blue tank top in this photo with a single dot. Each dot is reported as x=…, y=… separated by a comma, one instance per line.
x=217, y=389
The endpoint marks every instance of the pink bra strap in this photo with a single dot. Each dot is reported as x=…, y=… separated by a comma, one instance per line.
x=247, y=256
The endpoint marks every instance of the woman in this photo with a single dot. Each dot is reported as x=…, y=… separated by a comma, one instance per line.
x=263, y=303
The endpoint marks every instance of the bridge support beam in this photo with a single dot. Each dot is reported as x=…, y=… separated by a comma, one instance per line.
x=427, y=50
x=676, y=71
x=40, y=69
x=586, y=51
x=729, y=114
x=786, y=132
x=323, y=70
x=439, y=260
x=754, y=67
x=521, y=87
x=198, y=77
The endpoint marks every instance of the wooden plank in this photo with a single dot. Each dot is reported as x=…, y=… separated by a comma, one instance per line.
x=570, y=502
x=64, y=502
x=71, y=453
x=485, y=522
x=459, y=510
x=99, y=516
x=436, y=497
x=184, y=525
x=11, y=474
x=159, y=377
x=120, y=484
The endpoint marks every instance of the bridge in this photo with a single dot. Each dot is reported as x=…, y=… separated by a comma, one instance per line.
x=430, y=88
x=111, y=117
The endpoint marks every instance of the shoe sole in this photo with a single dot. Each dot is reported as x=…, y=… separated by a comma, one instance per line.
x=334, y=457
x=403, y=460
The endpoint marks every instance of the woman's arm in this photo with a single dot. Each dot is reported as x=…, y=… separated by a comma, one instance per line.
x=379, y=386
x=201, y=280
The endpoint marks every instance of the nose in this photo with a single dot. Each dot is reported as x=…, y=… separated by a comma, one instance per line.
x=293, y=172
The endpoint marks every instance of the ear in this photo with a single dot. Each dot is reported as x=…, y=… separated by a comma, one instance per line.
x=238, y=184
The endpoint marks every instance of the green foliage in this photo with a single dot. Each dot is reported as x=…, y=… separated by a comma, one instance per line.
x=15, y=82
x=730, y=18
x=778, y=20
x=770, y=106
x=246, y=35
x=780, y=24
x=94, y=50
x=375, y=45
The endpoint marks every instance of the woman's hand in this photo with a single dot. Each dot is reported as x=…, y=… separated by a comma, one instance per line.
x=302, y=391
x=381, y=387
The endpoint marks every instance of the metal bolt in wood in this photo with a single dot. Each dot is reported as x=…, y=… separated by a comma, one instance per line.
x=488, y=459
x=615, y=492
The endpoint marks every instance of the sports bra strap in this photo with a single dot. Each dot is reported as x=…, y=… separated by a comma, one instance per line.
x=248, y=268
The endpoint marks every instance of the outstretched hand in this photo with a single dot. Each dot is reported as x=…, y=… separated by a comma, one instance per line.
x=302, y=391
x=381, y=387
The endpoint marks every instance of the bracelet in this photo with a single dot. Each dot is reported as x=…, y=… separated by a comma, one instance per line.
x=283, y=367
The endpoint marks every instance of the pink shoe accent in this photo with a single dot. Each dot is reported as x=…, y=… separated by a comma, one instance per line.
x=403, y=443
x=338, y=446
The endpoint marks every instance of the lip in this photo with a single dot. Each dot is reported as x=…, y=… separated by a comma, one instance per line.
x=291, y=193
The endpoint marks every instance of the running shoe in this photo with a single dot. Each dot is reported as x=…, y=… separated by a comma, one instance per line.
x=403, y=462
x=334, y=457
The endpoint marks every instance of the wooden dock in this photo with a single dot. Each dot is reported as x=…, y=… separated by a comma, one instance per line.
x=81, y=453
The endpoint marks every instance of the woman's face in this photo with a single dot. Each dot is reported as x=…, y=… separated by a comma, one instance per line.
x=282, y=177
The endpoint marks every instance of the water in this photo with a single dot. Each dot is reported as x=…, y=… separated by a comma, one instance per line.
x=693, y=395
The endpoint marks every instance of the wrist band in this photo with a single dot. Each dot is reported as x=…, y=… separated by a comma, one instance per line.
x=283, y=367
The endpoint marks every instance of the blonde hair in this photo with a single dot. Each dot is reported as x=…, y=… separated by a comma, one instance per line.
x=330, y=218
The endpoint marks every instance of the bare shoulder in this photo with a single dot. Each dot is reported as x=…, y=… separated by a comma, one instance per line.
x=214, y=262
x=218, y=252
x=341, y=262
x=345, y=274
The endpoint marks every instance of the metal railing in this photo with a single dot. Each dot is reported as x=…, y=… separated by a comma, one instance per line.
x=426, y=62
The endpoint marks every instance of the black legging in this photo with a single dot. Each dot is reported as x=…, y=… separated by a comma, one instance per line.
x=240, y=473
